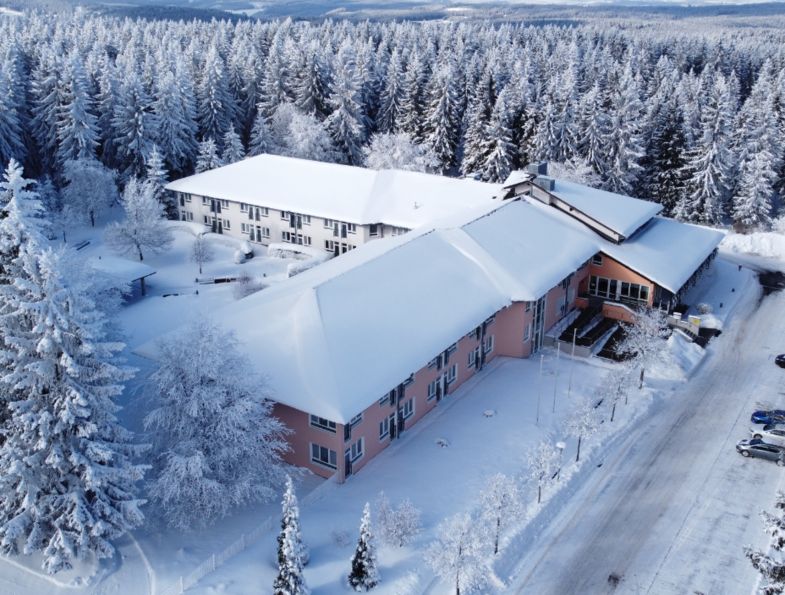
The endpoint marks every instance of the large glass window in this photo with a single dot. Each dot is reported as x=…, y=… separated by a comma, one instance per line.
x=323, y=424
x=324, y=456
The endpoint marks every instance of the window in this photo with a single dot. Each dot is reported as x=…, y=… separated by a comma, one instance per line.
x=227, y=224
x=188, y=216
x=322, y=424
x=207, y=220
x=224, y=204
x=385, y=425
x=205, y=201
x=329, y=245
x=408, y=409
x=452, y=374
x=356, y=450
x=527, y=333
x=328, y=223
x=265, y=231
x=187, y=197
x=324, y=456
x=306, y=240
x=243, y=207
x=528, y=307
x=351, y=228
x=488, y=346
x=397, y=231
x=452, y=348
x=472, y=359
x=433, y=388
x=284, y=215
x=306, y=219
x=265, y=212
x=597, y=259
x=384, y=400
x=182, y=215
x=286, y=236
x=373, y=229
x=356, y=419
x=245, y=228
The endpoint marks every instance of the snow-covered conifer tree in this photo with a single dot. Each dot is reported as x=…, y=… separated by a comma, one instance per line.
x=771, y=564
x=261, y=136
x=135, y=125
x=207, y=158
x=77, y=125
x=143, y=230
x=204, y=388
x=66, y=471
x=11, y=143
x=157, y=176
x=390, y=107
x=312, y=87
x=175, y=109
x=500, y=503
x=346, y=122
x=364, y=575
x=214, y=101
x=441, y=125
x=233, y=147
x=501, y=150
x=292, y=553
x=90, y=189
x=459, y=554
x=399, y=151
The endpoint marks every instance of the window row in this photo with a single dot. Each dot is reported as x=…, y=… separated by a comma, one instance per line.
x=295, y=238
x=613, y=289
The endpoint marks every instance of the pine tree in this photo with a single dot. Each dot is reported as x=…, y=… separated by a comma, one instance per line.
x=292, y=553
x=501, y=149
x=65, y=463
x=46, y=99
x=625, y=141
x=175, y=111
x=207, y=158
x=233, y=147
x=594, y=130
x=312, y=89
x=135, y=124
x=440, y=129
x=261, y=136
x=390, y=101
x=709, y=163
x=346, y=123
x=157, y=177
x=214, y=101
x=364, y=575
x=77, y=126
x=771, y=565
x=11, y=145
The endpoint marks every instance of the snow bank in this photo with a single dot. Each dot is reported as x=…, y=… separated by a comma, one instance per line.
x=768, y=244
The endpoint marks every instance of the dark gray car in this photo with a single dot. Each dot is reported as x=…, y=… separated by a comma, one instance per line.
x=762, y=450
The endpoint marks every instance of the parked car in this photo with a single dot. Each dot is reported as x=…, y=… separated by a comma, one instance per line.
x=762, y=450
x=771, y=433
x=773, y=416
x=780, y=360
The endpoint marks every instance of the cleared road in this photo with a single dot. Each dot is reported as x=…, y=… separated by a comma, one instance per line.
x=670, y=510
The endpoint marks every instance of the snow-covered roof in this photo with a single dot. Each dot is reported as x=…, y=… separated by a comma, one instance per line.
x=335, y=338
x=623, y=214
x=351, y=194
x=122, y=269
x=666, y=251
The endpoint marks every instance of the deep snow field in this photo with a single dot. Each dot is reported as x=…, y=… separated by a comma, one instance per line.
x=487, y=425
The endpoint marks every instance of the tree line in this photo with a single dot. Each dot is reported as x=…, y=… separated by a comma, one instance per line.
x=691, y=119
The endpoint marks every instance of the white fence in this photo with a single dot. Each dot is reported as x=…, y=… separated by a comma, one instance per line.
x=245, y=540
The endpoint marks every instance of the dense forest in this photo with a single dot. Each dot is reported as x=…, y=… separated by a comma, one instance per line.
x=692, y=119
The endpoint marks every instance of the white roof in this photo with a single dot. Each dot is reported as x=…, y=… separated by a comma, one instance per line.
x=122, y=269
x=666, y=251
x=335, y=338
x=622, y=214
x=342, y=192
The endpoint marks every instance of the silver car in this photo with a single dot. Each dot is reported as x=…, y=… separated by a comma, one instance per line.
x=759, y=449
x=771, y=433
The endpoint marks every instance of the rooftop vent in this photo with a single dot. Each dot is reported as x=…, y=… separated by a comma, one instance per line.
x=538, y=169
x=545, y=183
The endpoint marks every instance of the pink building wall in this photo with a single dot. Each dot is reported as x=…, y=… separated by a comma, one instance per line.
x=507, y=330
x=613, y=269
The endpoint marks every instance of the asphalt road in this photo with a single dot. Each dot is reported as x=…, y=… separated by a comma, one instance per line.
x=671, y=508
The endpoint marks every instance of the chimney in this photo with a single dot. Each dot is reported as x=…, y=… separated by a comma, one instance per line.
x=538, y=169
x=545, y=183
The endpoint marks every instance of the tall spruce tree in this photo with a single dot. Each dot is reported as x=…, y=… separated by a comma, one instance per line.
x=66, y=468
x=292, y=553
x=364, y=575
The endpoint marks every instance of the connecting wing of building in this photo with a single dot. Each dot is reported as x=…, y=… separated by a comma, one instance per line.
x=359, y=348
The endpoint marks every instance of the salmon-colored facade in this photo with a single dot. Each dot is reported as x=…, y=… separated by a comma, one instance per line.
x=327, y=448
x=609, y=279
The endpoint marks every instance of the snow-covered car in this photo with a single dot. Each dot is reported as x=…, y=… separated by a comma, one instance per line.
x=762, y=450
x=780, y=360
x=772, y=416
x=771, y=433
